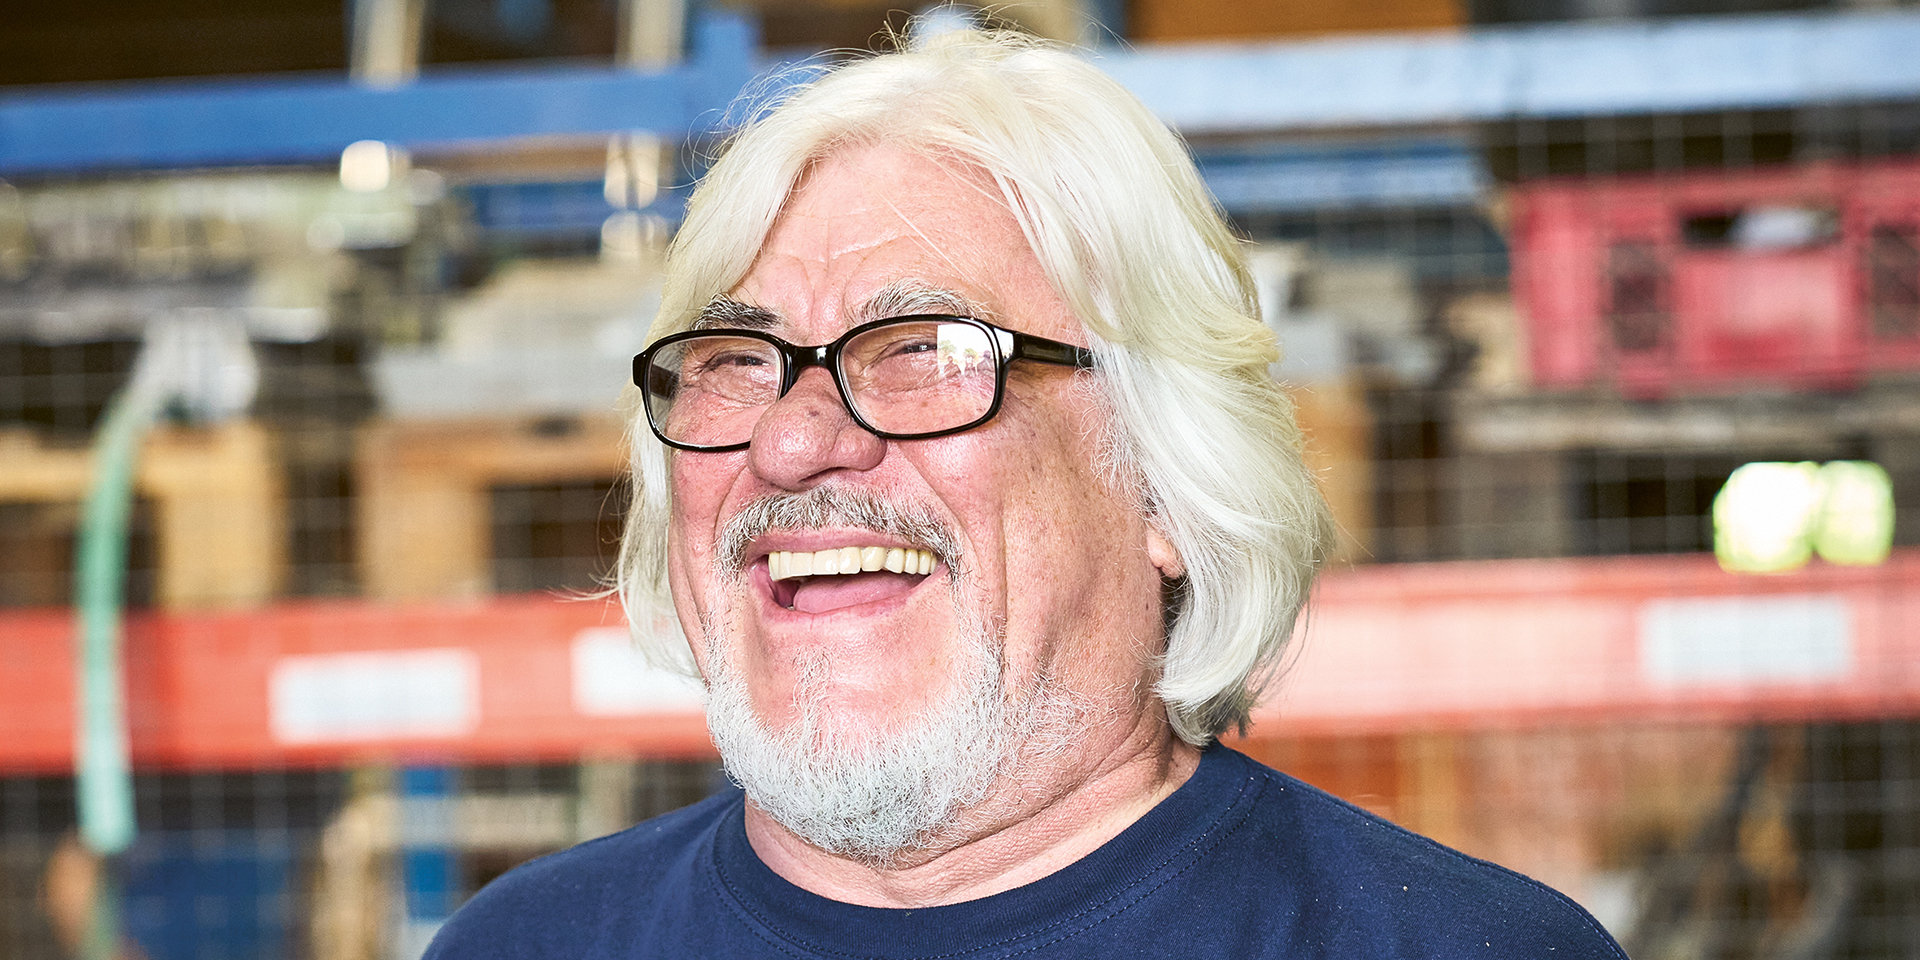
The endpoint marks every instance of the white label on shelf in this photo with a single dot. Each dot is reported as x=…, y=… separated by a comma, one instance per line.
x=612, y=679
x=383, y=695
x=1742, y=641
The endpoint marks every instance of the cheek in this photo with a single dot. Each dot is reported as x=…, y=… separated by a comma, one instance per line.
x=688, y=597
x=1084, y=544
x=1062, y=483
x=700, y=484
x=1050, y=533
x=677, y=566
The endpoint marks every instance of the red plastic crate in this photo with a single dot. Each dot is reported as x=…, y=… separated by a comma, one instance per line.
x=1693, y=283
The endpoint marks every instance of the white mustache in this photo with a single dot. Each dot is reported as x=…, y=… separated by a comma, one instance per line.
x=831, y=506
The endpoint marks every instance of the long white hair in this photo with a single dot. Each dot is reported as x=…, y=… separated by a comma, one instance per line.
x=1201, y=435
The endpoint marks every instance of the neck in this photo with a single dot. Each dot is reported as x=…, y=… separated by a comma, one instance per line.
x=1026, y=829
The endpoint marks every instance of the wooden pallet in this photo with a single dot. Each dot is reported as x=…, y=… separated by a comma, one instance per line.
x=424, y=514
x=219, y=506
x=1339, y=450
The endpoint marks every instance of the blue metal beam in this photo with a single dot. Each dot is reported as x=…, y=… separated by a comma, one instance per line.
x=1674, y=66
x=1547, y=71
x=1392, y=173
x=183, y=124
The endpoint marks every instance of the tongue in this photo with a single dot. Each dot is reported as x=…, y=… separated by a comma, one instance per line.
x=822, y=594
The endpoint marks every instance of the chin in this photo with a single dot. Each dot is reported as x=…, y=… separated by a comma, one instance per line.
x=849, y=772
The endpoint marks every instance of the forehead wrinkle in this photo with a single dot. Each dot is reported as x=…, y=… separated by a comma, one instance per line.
x=912, y=226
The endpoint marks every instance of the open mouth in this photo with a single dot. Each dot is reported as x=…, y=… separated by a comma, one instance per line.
x=821, y=581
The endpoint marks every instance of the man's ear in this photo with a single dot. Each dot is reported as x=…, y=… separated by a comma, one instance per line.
x=1165, y=556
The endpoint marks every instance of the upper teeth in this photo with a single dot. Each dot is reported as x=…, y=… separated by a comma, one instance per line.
x=783, y=564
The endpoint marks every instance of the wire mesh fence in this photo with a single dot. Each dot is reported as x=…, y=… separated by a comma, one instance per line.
x=433, y=426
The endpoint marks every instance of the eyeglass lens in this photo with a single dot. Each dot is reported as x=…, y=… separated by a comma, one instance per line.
x=913, y=377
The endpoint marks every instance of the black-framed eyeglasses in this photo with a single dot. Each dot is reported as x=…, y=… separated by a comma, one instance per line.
x=903, y=378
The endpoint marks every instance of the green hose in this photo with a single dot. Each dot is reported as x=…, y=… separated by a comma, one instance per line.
x=103, y=777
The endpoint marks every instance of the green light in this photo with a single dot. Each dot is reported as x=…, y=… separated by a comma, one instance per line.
x=1772, y=517
x=1763, y=518
x=1856, y=517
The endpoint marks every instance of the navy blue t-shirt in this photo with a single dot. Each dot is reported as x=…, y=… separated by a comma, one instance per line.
x=1240, y=862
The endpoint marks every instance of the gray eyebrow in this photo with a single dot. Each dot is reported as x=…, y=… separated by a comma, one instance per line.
x=901, y=298
x=905, y=298
x=728, y=313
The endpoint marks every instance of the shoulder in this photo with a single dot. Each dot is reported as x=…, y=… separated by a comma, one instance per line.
x=1361, y=884
x=565, y=903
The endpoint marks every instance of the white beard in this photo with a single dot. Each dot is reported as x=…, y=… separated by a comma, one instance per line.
x=877, y=795
x=872, y=795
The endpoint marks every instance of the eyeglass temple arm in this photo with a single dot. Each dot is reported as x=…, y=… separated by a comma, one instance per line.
x=1026, y=346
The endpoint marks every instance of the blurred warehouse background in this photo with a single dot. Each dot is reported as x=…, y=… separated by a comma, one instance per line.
x=1548, y=273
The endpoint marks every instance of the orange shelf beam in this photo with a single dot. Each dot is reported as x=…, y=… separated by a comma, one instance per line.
x=1600, y=640
x=305, y=684
x=1385, y=649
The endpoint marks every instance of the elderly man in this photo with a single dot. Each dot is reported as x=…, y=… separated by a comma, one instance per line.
x=963, y=472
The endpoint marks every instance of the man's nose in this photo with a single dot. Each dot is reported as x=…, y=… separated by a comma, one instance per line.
x=808, y=434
